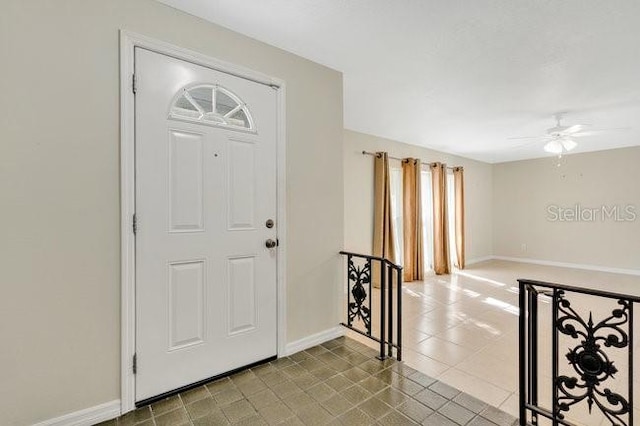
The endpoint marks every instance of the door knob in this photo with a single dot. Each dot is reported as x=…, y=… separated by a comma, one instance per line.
x=270, y=243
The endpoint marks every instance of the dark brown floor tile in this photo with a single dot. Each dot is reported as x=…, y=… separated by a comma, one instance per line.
x=498, y=417
x=480, y=421
x=136, y=416
x=285, y=388
x=283, y=362
x=395, y=418
x=470, y=403
x=305, y=381
x=212, y=419
x=422, y=379
x=334, y=343
x=373, y=366
x=201, y=407
x=263, y=369
x=276, y=413
x=444, y=390
x=430, y=399
x=314, y=415
x=299, y=356
x=228, y=396
x=406, y=386
x=337, y=405
x=373, y=384
x=177, y=417
x=311, y=364
x=374, y=407
x=392, y=397
x=402, y=369
x=219, y=385
x=293, y=371
x=250, y=387
x=166, y=405
x=355, y=374
x=263, y=398
x=112, y=422
x=238, y=410
x=356, y=417
x=338, y=382
x=321, y=392
x=387, y=376
x=317, y=350
x=323, y=373
x=414, y=410
x=255, y=420
x=194, y=395
x=339, y=365
x=457, y=413
x=437, y=419
x=272, y=379
x=356, y=358
x=327, y=357
x=293, y=421
x=297, y=401
x=356, y=394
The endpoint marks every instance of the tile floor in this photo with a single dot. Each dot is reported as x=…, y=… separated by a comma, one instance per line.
x=460, y=332
x=462, y=328
x=339, y=382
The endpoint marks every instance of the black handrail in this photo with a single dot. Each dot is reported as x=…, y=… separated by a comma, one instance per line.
x=359, y=310
x=593, y=370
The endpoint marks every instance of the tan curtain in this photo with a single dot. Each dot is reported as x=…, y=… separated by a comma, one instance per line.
x=440, y=227
x=412, y=220
x=458, y=181
x=382, y=220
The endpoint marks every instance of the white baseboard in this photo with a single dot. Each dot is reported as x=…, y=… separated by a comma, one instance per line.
x=478, y=260
x=314, y=340
x=569, y=265
x=87, y=417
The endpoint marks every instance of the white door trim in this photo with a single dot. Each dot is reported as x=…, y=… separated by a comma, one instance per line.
x=128, y=42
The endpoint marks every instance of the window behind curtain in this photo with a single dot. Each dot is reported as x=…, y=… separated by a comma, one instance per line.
x=451, y=218
x=427, y=219
x=396, y=212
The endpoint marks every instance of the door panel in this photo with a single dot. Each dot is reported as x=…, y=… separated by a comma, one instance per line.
x=186, y=182
x=206, y=298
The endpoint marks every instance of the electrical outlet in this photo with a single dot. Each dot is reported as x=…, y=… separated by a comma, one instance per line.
x=523, y=247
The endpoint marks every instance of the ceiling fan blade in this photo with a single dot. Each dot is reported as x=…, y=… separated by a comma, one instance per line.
x=527, y=137
x=553, y=147
x=574, y=129
x=587, y=133
x=569, y=144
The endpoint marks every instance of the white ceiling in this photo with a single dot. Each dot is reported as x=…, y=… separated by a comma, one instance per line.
x=462, y=76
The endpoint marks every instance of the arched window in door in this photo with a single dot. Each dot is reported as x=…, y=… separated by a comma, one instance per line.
x=212, y=105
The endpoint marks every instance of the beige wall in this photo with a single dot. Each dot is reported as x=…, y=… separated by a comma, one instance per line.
x=523, y=190
x=59, y=186
x=358, y=191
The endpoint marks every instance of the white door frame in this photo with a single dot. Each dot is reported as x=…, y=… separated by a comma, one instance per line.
x=128, y=41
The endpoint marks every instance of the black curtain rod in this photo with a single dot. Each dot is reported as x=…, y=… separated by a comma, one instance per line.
x=396, y=158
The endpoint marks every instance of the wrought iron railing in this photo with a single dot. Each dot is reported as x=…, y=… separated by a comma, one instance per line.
x=589, y=353
x=360, y=314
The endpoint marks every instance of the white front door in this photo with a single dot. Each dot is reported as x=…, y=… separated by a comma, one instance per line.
x=206, y=298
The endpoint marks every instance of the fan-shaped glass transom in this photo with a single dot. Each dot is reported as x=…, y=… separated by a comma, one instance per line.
x=213, y=105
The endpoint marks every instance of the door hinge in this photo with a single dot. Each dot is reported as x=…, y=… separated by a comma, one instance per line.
x=135, y=224
x=134, y=84
x=135, y=364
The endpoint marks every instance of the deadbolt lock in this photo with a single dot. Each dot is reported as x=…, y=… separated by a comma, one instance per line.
x=270, y=243
x=269, y=223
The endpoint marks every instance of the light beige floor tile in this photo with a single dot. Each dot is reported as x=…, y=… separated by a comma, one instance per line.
x=444, y=351
x=475, y=387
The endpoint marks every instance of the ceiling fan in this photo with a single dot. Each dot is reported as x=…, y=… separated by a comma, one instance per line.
x=560, y=138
